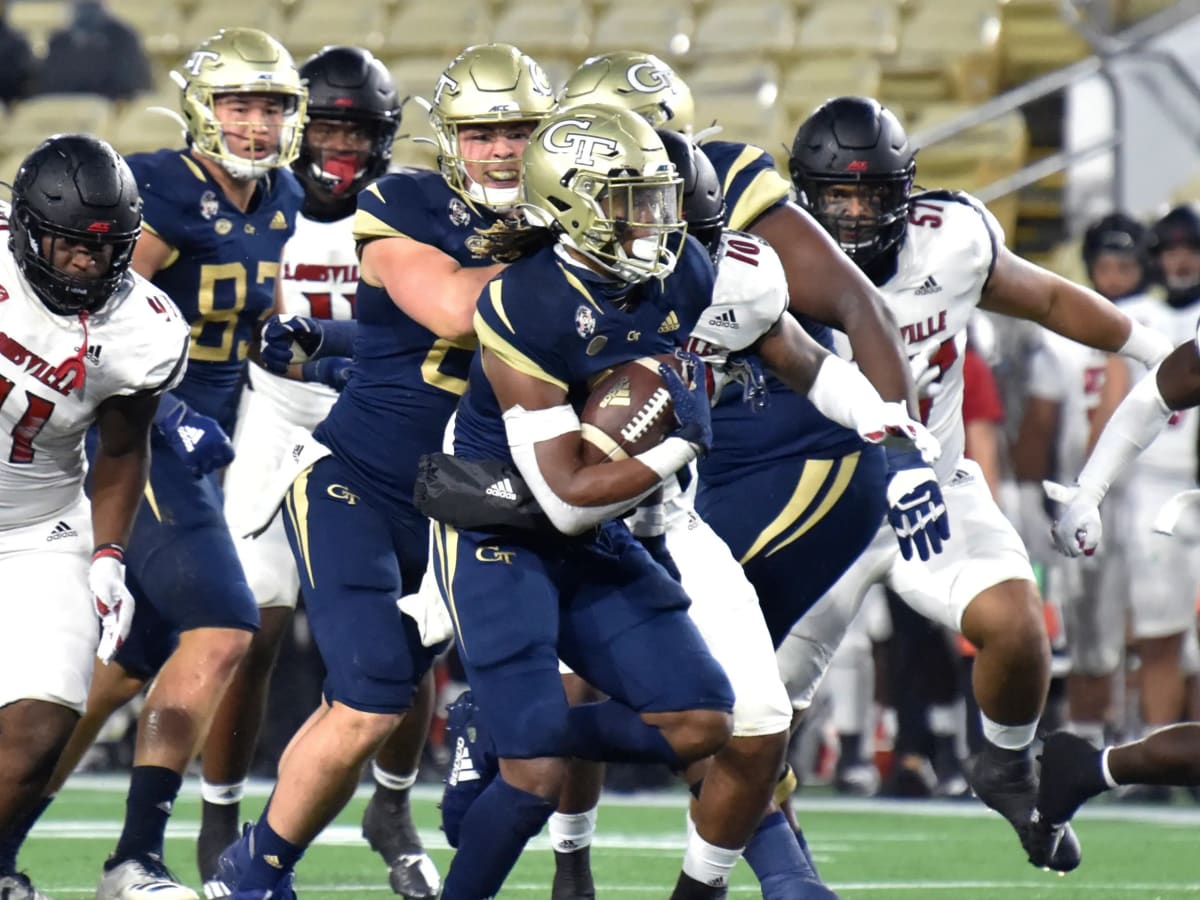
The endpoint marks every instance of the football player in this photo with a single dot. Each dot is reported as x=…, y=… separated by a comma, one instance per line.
x=613, y=267
x=216, y=216
x=1074, y=770
x=936, y=256
x=815, y=518
x=1072, y=390
x=85, y=342
x=357, y=539
x=353, y=117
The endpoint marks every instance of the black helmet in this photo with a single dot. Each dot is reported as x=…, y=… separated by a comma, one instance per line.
x=1115, y=233
x=73, y=187
x=854, y=140
x=348, y=84
x=1180, y=226
x=703, y=199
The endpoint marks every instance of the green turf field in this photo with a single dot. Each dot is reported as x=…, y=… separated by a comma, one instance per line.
x=865, y=849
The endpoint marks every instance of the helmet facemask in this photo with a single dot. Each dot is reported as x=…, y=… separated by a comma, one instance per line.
x=63, y=293
x=866, y=217
x=341, y=171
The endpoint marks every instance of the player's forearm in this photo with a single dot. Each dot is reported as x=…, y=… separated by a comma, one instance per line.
x=1134, y=424
x=875, y=342
x=118, y=482
x=1088, y=318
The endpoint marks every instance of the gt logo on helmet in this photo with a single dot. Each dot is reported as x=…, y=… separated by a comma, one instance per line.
x=585, y=146
x=647, y=78
x=196, y=61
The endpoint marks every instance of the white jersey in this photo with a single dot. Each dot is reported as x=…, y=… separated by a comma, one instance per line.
x=947, y=255
x=318, y=275
x=136, y=342
x=1171, y=455
x=1072, y=375
x=749, y=296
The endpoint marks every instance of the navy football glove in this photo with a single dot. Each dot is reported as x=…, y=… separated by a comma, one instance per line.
x=691, y=404
x=280, y=333
x=333, y=371
x=916, y=510
x=196, y=439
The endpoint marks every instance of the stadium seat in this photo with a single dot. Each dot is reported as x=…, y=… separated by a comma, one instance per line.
x=36, y=19
x=319, y=23
x=945, y=57
x=545, y=28
x=742, y=97
x=416, y=76
x=749, y=28
x=210, y=17
x=1035, y=39
x=32, y=121
x=834, y=27
x=810, y=82
x=141, y=128
x=440, y=28
x=157, y=23
x=664, y=29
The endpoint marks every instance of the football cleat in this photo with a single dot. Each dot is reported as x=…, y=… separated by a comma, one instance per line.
x=142, y=878
x=1011, y=790
x=235, y=861
x=473, y=767
x=1071, y=775
x=573, y=876
x=17, y=886
x=388, y=827
x=215, y=889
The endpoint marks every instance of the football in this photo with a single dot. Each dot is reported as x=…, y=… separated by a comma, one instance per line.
x=628, y=411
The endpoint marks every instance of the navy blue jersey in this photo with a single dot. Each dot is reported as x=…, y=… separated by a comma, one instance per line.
x=564, y=324
x=222, y=272
x=790, y=425
x=407, y=380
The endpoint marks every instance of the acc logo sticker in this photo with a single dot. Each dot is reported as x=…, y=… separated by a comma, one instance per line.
x=585, y=322
x=223, y=226
x=459, y=215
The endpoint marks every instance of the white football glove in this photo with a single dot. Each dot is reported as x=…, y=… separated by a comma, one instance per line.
x=112, y=601
x=891, y=425
x=1078, y=530
x=924, y=374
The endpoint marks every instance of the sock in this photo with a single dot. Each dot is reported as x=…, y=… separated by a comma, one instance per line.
x=219, y=815
x=493, y=833
x=774, y=855
x=849, y=749
x=708, y=863
x=1008, y=737
x=688, y=888
x=571, y=832
x=152, y=793
x=612, y=732
x=390, y=783
x=11, y=841
x=1109, y=781
x=222, y=794
x=271, y=858
x=1092, y=732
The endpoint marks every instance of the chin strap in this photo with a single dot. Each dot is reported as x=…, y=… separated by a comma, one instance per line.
x=72, y=372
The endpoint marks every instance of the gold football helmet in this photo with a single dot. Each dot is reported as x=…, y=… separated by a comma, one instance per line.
x=241, y=61
x=600, y=179
x=483, y=85
x=630, y=79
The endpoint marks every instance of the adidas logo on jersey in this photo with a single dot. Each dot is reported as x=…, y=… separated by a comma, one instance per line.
x=93, y=354
x=60, y=531
x=502, y=489
x=928, y=286
x=191, y=436
x=462, y=769
x=669, y=324
x=725, y=320
x=279, y=222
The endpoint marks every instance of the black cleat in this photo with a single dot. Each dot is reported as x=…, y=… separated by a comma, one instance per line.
x=1010, y=788
x=1071, y=775
x=573, y=876
x=388, y=827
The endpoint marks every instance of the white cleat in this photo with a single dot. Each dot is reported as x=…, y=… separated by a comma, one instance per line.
x=19, y=887
x=216, y=889
x=142, y=879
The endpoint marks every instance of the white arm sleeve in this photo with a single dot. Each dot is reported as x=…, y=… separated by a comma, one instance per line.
x=842, y=393
x=528, y=428
x=1146, y=345
x=1134, y=424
